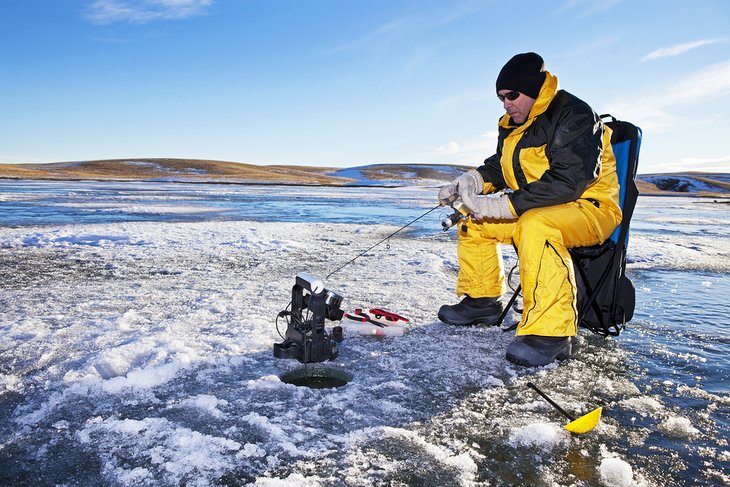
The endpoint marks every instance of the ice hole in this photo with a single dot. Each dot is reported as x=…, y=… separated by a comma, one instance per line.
x=317, y=377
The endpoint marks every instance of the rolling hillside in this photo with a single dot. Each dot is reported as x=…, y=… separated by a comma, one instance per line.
x=193, y=170
x=185, y=170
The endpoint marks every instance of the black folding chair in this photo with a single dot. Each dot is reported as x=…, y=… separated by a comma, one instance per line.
x=606, y=296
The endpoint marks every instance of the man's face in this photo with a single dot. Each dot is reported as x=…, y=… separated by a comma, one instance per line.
x=519, y=108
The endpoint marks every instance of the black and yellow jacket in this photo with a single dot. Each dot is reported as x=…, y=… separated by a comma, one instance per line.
x=561, y=153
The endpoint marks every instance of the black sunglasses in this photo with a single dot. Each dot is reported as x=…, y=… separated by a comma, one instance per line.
x=511, y=96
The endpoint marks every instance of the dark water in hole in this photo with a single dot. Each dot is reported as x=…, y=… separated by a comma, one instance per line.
x=316, y=378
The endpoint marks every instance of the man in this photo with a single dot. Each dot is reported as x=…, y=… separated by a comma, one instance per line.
x=551, y=186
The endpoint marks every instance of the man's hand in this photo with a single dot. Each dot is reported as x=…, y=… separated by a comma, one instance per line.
x=471, y=182
x=489, y=207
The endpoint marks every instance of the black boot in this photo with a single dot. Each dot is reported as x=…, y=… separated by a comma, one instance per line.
x=534, y=351
x=471, y=311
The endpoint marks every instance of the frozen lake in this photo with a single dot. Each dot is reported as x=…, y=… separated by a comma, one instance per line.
x=138, y=323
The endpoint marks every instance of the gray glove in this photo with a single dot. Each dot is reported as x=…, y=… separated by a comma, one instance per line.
x=471, y=182
x=489, y=207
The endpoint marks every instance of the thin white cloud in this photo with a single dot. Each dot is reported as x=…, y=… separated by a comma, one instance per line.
x=705, y=160
x=587, y=8
x=470, y=152
x=457, y=101
x=706, y=163
x=587, y=48
x=381, y=37
x=678, y=49
x=125, y=38
x=393, y=31
x=144, y=11
x=658, y=110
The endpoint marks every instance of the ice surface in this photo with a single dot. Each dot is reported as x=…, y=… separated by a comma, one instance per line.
x=141, y=353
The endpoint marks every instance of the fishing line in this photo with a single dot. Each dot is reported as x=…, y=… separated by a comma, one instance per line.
x=383, y=240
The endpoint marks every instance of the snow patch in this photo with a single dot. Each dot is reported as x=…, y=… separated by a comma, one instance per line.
x=293, y=480
x=146, y=378
x=131, y=319
x=645, y=406
x=616, y=472
x=462, y=462
x=178, y=451
x=678, y=427
x=542, y=436
x=10, y=383
x=206, y=403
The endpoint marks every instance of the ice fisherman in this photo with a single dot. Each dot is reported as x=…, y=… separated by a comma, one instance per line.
x=551, y=186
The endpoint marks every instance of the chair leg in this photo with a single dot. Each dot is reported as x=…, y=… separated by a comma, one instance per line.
x=507, y=308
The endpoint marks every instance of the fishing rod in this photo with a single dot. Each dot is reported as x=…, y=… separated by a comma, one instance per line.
x=306, y=338
x=381, y=241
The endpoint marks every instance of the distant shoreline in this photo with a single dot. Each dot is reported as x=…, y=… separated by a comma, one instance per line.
x=704, y=195
x=197, y=171
x=214, y=181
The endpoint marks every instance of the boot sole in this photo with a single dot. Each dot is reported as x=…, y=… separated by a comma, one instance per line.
x=491, y=322
x=519, y=361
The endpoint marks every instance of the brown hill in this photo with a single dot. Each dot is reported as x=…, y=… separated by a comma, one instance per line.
x=696, y=183
x=171, y=170
x=193, y=170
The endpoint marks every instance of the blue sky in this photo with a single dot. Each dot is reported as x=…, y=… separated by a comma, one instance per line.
x=348, y=82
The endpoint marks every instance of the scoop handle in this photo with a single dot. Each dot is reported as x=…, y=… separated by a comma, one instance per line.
x=552, y=403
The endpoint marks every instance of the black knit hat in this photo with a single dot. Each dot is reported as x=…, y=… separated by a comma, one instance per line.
x=524, y=73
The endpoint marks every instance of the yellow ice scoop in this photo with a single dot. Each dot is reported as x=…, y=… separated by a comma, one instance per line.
x=584, y=424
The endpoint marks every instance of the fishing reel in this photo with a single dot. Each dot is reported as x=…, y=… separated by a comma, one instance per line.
x=306, y=338
x=461, y=212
